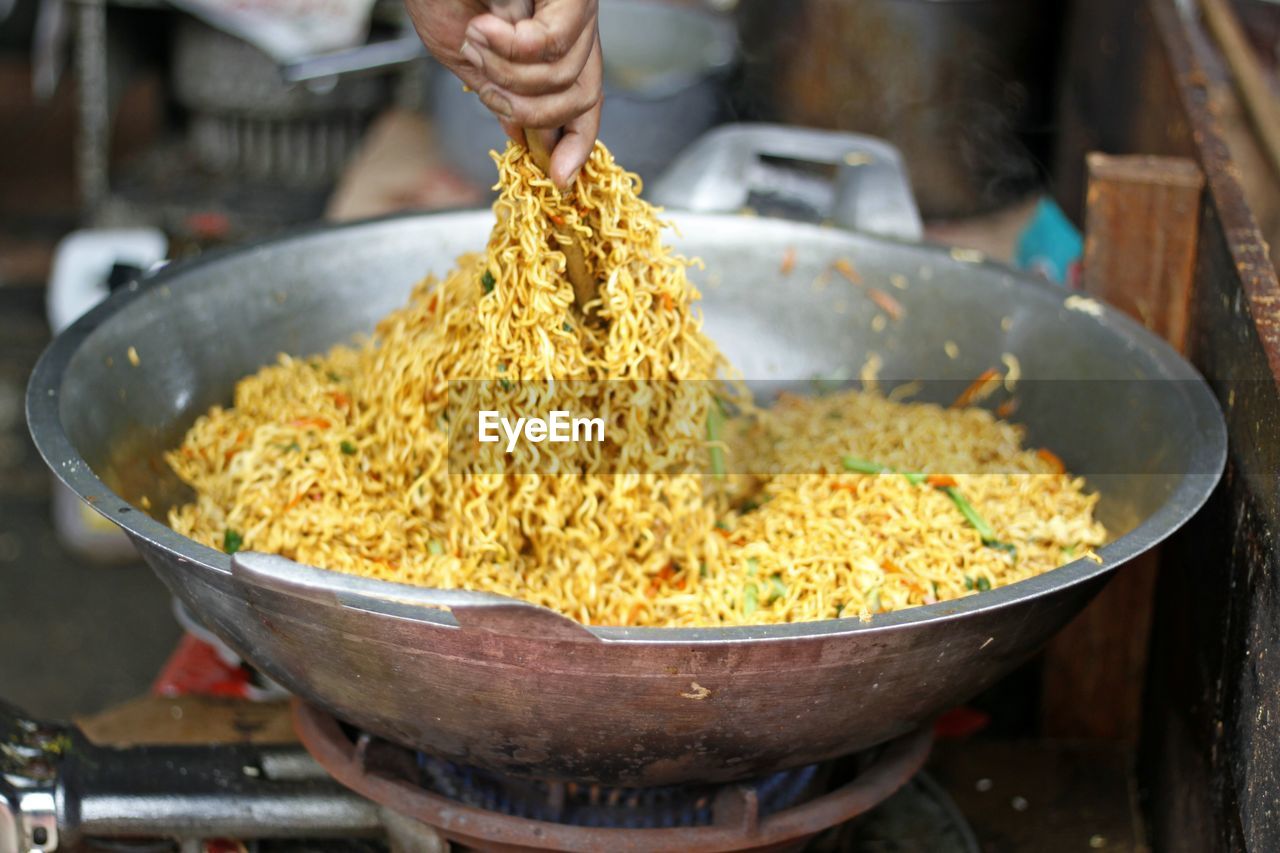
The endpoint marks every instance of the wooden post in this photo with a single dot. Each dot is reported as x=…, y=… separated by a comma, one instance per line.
x=1142, y=221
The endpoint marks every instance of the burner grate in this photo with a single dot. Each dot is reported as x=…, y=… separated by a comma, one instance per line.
x=484, y=810
x=663, y=807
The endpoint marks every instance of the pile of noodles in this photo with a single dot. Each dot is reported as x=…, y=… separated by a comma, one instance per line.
x=342, y=460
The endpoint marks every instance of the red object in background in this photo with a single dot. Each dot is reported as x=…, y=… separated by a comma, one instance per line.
x=195, y=668
x=961, y=722
x=224, y=845
x=209, y=225
x=1075, y=276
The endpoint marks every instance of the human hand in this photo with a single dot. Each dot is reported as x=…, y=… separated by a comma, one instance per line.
x=543, y=72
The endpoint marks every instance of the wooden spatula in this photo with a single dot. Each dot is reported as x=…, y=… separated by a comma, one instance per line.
x=584, y=285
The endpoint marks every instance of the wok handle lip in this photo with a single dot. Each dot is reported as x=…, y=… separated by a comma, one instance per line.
x=472, y=610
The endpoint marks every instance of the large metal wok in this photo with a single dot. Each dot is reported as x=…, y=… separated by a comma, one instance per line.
x=510, y=686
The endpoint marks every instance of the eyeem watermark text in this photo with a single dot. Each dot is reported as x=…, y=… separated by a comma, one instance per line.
x=558, y=428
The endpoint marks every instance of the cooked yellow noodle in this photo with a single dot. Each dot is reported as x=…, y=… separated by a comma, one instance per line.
x=341, y=460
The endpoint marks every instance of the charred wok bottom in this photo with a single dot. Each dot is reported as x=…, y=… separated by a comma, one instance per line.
x=491, y=811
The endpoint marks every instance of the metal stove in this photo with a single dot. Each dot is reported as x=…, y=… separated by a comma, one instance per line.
x=344, y=790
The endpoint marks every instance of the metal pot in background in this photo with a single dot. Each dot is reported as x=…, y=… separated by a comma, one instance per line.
x=245, y=121
x=665, y=69
x=962, y=87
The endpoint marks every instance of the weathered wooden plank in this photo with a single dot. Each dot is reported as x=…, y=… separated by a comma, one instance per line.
x=1142, y=221
x=1211, y=752
x=1142, y=216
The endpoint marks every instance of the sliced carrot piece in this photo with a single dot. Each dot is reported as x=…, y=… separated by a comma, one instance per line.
x=788, y=261
x=941, y=481
x=887, y=304
x=1054, y=461
x=845, y=268
x=977, y=389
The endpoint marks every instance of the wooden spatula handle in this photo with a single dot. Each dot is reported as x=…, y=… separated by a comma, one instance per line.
x=584, y=286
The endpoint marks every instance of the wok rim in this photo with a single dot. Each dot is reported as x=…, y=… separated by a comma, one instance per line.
x=43, y=400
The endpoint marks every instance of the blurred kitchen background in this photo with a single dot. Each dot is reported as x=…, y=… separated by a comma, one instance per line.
x=138, y=131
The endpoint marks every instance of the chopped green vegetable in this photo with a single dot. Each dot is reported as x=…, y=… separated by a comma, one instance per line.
x=839, y=609
x=721, y=524
x=751, y=599
x=231, y=541
x=715, y=423
x=970, y=514
x=502, y=368
x=968, y=582
x=333, y=377
x=435, y=546
x=702, y=569
x=934, y=585
x=566, y=326
x=748, y=506
x=505, y=384
x=983, y=584
x=1069, y=551
x=290, y=447
x=862, y=466
x=752, y=565
x=779, y=589
x=347, y=448
x=487, y=281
